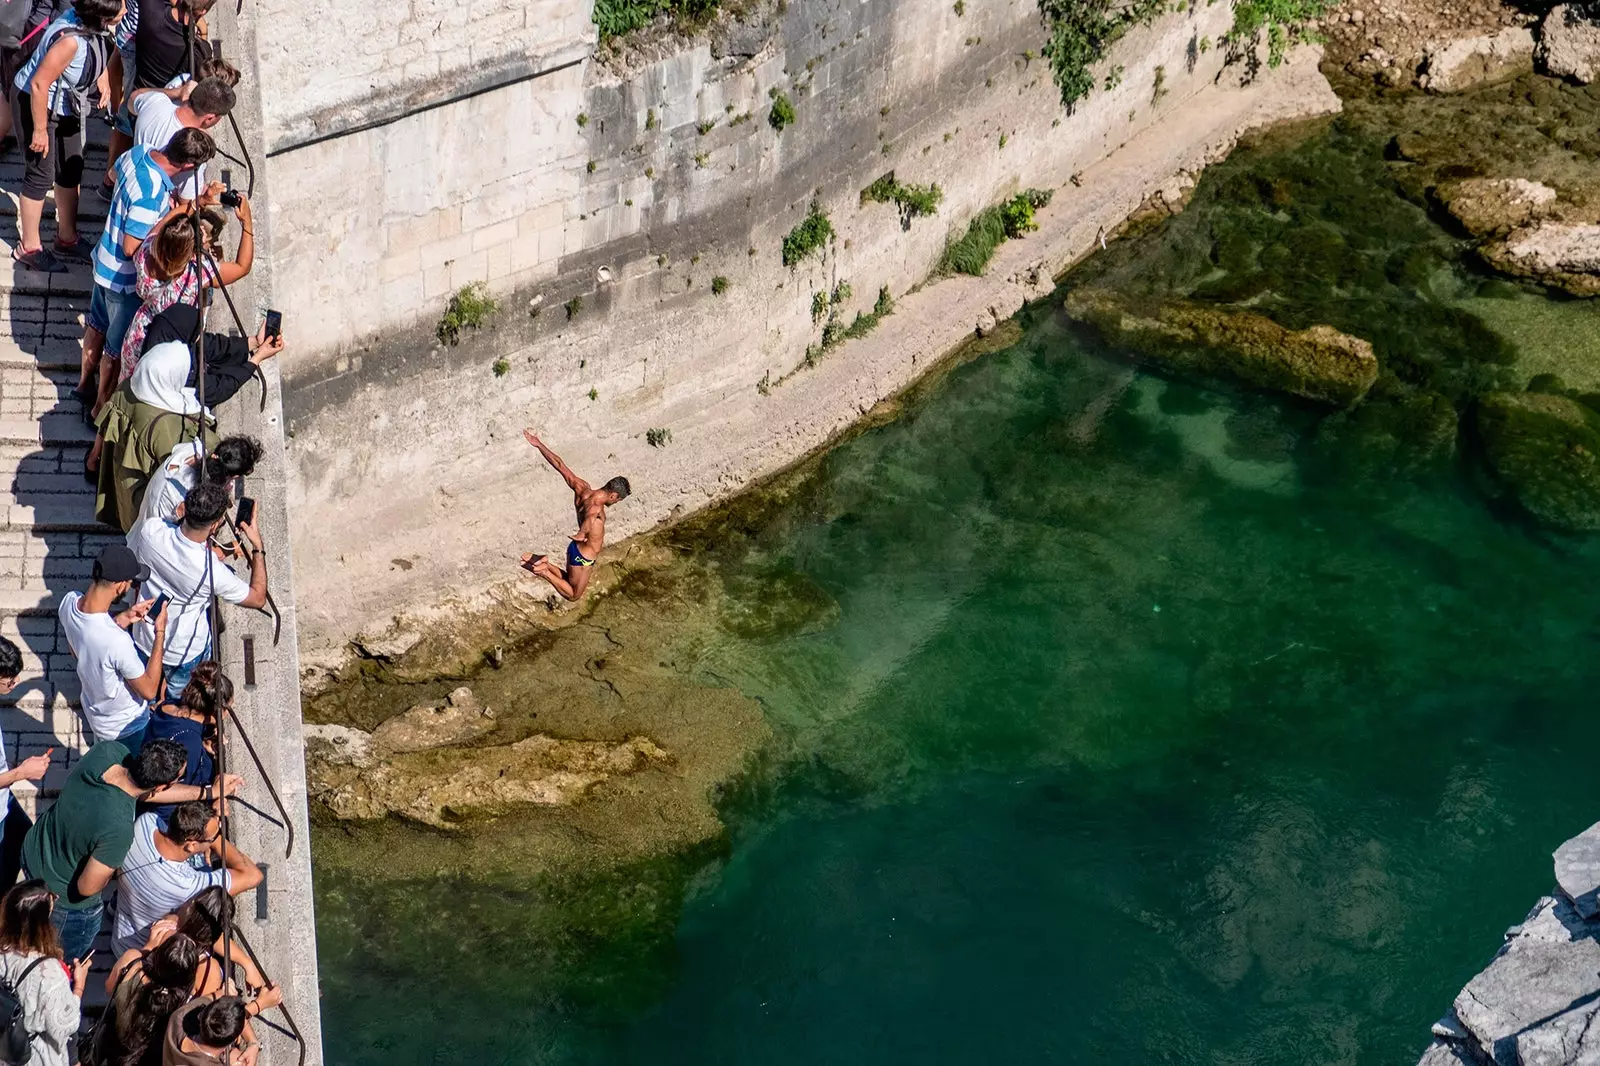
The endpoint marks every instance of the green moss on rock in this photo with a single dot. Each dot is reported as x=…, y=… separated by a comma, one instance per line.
x=1545, y=450
x=1319, y=363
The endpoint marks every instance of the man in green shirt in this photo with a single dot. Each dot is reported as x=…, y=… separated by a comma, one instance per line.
x=78, y=843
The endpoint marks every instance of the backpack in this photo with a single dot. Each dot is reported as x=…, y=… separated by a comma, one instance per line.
x=16, y=1043
x=84, y=96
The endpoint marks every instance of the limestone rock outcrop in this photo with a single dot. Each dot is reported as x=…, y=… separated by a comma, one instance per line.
x=1483, y=60
x=1319, y=363
x=1493, y=207
x=460, y=720
x=1537, y=1002
x=1545, y=450
x=1569, y=44
x=416, y=766
x=1564, y=255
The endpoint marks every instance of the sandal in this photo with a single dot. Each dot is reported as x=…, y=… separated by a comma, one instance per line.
x=107, y=191
x=76, y=252
x=39, y=260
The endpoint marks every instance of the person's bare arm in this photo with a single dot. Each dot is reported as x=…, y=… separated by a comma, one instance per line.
x=185, y=793
x=232, y=272
x=94, y=876
x=574, y=482
x=244, y=874
x=258, y=568
x=51, y=67
x=148, y=684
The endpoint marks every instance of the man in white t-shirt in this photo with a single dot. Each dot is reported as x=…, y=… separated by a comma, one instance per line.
x=185, y=566
x=159, y=113
x=234, y=457
x=159, y=876
x=118, y=683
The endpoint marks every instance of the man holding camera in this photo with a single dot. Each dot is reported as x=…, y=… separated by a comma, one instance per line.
x=187, y=569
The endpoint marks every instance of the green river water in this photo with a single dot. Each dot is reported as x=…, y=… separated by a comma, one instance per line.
x=1158, y=721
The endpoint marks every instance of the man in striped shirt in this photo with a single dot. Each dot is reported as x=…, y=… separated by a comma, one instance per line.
x=143, y=201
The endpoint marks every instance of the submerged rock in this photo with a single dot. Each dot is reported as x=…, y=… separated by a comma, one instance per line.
x=1569, y=44
x=442, y=788
x=1563, y=255
x=1319, y=363
x=1483, y=60
x=1493, y=207
x=1546, y=451
x=460, y=720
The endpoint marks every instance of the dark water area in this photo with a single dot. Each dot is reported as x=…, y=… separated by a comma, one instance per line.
x=1155, y=722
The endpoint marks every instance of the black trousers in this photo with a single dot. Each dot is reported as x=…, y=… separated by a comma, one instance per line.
x=63, y=166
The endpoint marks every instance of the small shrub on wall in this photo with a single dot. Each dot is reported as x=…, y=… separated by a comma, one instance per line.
x=617, y=17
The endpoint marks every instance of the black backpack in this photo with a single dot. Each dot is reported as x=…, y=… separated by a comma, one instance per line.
x=16, y=1043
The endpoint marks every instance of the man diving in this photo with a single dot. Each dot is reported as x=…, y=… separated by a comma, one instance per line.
x=584, y=547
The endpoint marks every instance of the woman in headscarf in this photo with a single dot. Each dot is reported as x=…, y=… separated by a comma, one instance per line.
x=230, y=361
x=153, y=412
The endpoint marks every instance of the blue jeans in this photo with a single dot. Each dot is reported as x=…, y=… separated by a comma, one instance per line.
x=132, y=737
x=77, y=928
x=178, y=676
x=112, y=313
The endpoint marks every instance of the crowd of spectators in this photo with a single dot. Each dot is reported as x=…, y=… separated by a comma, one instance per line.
x=140, y=824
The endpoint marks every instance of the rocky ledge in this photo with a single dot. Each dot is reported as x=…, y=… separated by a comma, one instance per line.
x=1538, y=1001
x=421, y=766
x=1319, y=363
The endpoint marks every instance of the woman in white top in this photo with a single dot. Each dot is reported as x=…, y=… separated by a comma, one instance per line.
x=30, y=959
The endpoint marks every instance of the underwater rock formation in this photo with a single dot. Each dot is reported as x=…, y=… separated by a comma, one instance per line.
x=1545, y=450
x=1560, y=254
x=1319, y=363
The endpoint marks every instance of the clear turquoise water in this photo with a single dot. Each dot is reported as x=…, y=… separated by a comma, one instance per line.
x=1151, y=728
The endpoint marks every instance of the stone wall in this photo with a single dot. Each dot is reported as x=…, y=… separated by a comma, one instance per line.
x=626, y=184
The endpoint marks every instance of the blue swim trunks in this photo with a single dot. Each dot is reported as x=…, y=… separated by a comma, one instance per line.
x=576, y=557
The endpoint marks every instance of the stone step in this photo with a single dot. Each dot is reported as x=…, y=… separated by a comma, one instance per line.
x=57, y=427
x=64, y=514
x=19, y=602
x=16, y=278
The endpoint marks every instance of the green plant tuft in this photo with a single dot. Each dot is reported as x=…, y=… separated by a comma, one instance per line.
x=992, y=227
x=501, y=367
x=658, y=438
x=1286, y=22
x=573, y=306
x=592, y=166
x=583, y=119
x=914, y=201
x=719, y=285
x=650, y=120
x=782, y=114
x=808, y=237
x=960, y=8
x=594, y=394
x=469, y=308
x=617, y=17
x=706, y=126
x=1082, y=32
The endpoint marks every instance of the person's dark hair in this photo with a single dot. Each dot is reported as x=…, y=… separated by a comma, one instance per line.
x=211, y=96
x=220, y=69
x=190, y=147
x=188, y=822
x=10, y=658
x=25, y=921
x=217, y=1024
x=204, y=917
x=618, y=485
x=160, y=762
x=204, y=504
x=236, y=457
x=169, y=971
x=212, y=226
x=193, y=10
x=209, y=690
x=97, y=15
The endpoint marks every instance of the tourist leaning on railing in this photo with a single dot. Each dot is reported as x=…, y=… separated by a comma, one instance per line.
x=145, y=991
x=158, y=876
x=153, y=50
x=191, y=720
x=232, y=458
x=184, y=568
x=147, y=418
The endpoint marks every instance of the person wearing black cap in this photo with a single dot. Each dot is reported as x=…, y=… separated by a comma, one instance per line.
x=118, y=684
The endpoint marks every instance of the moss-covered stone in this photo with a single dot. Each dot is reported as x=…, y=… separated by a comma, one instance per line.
x=1545, y=450
x=1317, y=363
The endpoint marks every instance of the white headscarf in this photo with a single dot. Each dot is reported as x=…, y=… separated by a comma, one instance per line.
x=159, y=379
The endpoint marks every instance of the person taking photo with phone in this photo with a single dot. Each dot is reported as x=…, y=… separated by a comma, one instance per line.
x=186, y=566
x=118, y=683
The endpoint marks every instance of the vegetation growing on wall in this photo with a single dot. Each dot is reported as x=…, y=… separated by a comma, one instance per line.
x=992, y=227
x=782, y=113
x=469, y=308
x=1083, y=31
x=616, y=17
x=835, y=332
x=808, y=237
x=914, y=201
